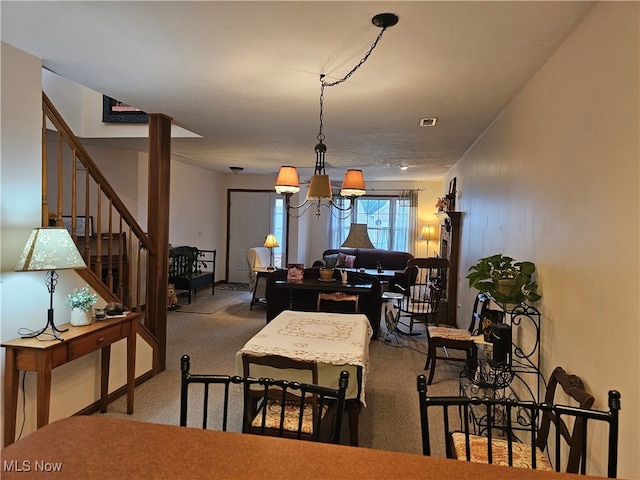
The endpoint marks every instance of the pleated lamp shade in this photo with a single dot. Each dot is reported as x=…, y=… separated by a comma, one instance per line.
x=271, y=241
x=426, y=233
x=358, y=237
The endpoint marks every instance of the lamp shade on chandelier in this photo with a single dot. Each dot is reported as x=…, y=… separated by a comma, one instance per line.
x=353, y=186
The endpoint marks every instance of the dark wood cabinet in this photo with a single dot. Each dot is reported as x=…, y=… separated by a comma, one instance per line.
x=450, y=223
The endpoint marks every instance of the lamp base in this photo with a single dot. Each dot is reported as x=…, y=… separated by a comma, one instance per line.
x=54, y=329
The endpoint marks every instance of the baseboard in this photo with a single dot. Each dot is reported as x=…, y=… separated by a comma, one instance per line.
x=95, y=406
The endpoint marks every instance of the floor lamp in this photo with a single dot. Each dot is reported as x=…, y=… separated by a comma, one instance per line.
x=49, y=249
x=426, y=234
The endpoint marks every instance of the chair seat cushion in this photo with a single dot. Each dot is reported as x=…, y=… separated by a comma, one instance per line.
x=291, y=414
x=449, y=333
x=500, y=452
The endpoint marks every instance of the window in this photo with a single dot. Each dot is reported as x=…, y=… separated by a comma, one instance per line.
x=279, y=228
x=387, y=219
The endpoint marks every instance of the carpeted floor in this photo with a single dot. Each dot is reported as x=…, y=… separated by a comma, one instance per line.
x=240, y=287
x=214, y=327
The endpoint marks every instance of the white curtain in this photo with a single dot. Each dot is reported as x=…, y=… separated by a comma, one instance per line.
x=411, y=198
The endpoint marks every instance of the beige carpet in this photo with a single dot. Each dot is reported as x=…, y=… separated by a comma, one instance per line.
x=214, y=327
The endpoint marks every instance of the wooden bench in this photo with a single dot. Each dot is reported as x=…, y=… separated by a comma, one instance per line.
x=191, y=268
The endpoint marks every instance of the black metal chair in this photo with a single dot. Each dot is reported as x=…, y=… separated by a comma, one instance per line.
x=422, y=290
x=289, y=409
x=188, y=378
x=455, y=339
x=511, y=430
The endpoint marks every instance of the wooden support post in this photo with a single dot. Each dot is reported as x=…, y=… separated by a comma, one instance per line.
x=158, y=230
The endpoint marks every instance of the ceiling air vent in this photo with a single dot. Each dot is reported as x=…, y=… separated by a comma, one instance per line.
x=428, y=122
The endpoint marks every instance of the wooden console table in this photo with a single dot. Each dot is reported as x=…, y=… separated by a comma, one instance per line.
x=41, y=356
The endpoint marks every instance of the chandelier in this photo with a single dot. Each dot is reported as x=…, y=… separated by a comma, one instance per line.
x=288, y=183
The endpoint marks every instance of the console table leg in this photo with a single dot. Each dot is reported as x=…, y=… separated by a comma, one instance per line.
x=44, y=366
x=131, y=366
x=11, y=375
x=104, y=377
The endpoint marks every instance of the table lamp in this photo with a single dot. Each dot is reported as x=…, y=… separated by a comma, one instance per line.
x=358, y=237
x=270, y=242
x=49, y=249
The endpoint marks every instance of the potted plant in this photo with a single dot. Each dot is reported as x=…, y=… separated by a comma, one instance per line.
x=80, y=303
x=506, y=280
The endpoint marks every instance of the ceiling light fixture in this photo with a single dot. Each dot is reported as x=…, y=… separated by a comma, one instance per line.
x=288, y=183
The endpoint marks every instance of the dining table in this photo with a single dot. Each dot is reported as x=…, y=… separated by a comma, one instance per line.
x=336, y=341
x=96, y=448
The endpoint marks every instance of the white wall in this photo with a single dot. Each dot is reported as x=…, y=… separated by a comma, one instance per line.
x=555, y=180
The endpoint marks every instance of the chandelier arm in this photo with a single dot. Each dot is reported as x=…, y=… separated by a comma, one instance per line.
x=294, y=207
x=344, y=209
x=301, y=212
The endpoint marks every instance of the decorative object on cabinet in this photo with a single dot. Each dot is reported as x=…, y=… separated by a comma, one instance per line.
x=450, y=223
x=80, y=303
x=49, y=249
x=506, y=280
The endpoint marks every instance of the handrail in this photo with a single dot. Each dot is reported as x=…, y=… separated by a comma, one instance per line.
x=82, y=155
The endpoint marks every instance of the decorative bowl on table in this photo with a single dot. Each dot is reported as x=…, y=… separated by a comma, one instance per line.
x=326, y=274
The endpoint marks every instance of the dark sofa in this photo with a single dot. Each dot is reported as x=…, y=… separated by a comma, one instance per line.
x=370, y=257
x=306, y=300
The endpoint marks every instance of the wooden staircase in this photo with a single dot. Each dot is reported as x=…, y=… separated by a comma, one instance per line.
x=124, y=264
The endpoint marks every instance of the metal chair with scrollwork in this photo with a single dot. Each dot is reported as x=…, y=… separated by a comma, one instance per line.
x=422, y=291
x=508, y=440
x=456, y=339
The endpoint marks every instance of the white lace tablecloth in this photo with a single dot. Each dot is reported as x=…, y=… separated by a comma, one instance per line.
x=336, y=341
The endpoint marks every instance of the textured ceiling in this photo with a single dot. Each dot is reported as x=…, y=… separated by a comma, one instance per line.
x=245, y=75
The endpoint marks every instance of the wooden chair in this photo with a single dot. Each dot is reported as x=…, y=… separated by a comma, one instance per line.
x=456, y=339
x=422, y=291
x=292, y=409
x=503, y=427
x=188, y=378
x=334, y=298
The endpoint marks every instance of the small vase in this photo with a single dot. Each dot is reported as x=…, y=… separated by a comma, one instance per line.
x=80, y=318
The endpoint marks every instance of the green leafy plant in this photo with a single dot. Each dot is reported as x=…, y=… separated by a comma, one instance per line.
x=81, y=299
x=506, y=280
